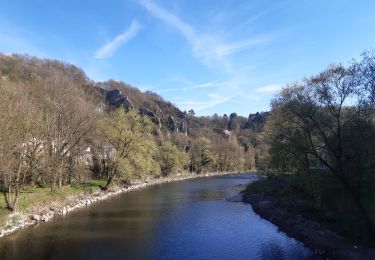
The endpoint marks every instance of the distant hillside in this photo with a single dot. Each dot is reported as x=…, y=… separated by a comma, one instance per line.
x=112, y=93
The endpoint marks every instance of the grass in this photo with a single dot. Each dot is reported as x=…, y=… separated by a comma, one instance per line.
x=34, y=196
x=320, y=197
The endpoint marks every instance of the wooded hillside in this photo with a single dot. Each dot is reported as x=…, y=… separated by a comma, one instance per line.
x=58, y=128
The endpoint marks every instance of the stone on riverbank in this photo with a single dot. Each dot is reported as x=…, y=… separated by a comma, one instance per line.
x=35, y=217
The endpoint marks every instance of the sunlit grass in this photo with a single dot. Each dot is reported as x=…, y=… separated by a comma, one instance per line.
x=33, y=197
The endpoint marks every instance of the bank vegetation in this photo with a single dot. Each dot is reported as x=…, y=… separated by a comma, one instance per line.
x=319, y=148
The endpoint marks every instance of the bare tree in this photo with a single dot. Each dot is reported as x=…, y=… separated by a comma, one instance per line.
x=68, y=116
x=20, y=145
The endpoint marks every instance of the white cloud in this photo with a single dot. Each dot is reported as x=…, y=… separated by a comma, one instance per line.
x=207, y=48
x=169, y=18
x=186, y=85
x=204, y=85
x=198, y=43
x=273, y=88
x=227, y=49
x=214, y=52
x=213, y=100
x=109, y=49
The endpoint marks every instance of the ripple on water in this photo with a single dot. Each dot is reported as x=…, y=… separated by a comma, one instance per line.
x=182, y=220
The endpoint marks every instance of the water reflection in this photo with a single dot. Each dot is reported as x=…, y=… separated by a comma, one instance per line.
x=184, y=220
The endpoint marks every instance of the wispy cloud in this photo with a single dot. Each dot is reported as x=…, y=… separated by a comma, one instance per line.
x=213, y=100
x=273, y=88
x=169, y=18
x=188, y=85
x=219, y=96
x=109, y=49
x=226, y=49
x=213, y=51
x=208, y=48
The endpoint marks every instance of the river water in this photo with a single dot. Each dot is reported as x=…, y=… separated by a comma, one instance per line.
x=183, y=220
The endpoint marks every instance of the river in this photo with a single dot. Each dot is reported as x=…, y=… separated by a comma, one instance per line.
x=190, y=219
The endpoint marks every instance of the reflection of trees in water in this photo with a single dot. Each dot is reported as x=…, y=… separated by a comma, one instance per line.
x=163, y=220
x=30, y=245
x=208, y=195
x=271, y=250
x=276, y=249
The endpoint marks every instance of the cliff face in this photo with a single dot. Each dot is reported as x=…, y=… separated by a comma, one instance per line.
x=166, y=116
x=115, y=98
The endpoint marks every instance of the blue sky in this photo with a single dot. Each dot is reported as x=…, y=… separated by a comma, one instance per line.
x=210, y=55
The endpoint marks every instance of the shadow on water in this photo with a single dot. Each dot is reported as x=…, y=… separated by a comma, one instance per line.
x=182, y=220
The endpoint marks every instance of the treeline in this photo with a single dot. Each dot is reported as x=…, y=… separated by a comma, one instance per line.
x=326, y=123
x=58, y=128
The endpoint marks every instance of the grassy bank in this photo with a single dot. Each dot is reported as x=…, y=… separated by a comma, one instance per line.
x=35, y=197
x=319, y=197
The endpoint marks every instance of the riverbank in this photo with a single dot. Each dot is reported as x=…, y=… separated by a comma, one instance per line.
x=290, y=210
x=65, y=202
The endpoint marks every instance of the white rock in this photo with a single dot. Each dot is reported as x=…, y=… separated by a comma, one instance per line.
x=36, y=217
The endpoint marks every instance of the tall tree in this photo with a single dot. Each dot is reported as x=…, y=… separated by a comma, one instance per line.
x=201, y=155
x=20, y=145
x=229, y=154
x=330, y=117
x=69, y=117
x=170, y=158
x=128, y=145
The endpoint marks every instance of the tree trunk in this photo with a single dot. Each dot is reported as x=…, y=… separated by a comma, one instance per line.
x=53, y=185
x=60, y=175
x=109, y=182
x=366, y=218
x=60, y=183
x=70, y=176
x=11, y=204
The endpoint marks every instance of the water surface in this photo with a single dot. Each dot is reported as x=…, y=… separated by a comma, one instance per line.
x=183, y=220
